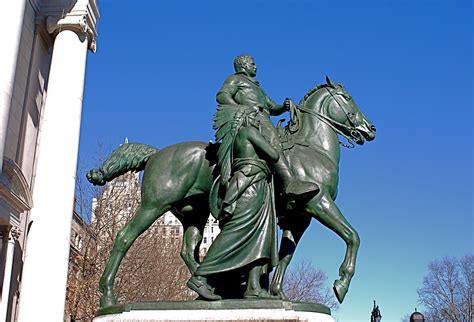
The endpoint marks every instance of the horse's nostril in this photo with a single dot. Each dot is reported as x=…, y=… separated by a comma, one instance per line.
x=372, y=127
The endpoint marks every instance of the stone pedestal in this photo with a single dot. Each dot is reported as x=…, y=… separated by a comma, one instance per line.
x=226, y=310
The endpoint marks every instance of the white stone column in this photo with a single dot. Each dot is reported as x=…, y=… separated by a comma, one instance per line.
x=10, y=34
x=10, y=236
x=44, y=277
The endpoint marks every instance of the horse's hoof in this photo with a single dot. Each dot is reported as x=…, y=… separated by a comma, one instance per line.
x=107, y=301
x=340, y=290
x=107, y=298
x=278, y=292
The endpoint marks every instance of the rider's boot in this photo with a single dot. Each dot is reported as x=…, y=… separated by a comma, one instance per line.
x=293, y=188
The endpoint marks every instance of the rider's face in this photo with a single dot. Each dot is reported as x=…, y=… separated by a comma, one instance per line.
x=250, y=68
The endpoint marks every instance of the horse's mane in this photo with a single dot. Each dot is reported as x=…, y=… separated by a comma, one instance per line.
x=311, y=91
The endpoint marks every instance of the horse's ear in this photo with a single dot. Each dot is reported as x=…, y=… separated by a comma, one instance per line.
x=329, y=82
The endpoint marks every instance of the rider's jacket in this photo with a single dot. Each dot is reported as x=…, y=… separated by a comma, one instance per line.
x=247, y=91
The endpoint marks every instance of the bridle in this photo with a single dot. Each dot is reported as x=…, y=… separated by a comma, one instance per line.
x=334, y=124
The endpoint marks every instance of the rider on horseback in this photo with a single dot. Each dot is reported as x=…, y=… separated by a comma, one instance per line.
x=247, y=211
x=241, y=89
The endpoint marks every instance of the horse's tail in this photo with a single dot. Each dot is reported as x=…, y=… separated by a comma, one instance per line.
x=127, y=157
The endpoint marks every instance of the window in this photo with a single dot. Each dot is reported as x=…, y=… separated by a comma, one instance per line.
x=204, y=240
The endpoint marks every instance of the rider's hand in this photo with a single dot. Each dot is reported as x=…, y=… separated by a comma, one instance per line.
x=287, y=104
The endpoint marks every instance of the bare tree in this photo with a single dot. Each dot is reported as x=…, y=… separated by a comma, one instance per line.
x=152, y=269
x=306, y=283
x=447, y=290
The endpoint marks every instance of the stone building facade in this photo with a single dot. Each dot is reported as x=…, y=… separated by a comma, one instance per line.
x=173, y=228
x=78, y=236
x=211, y=230
x=42, y=64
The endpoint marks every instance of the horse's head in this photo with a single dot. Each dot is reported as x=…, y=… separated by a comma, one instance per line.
x=344, y=114
x=333, y=105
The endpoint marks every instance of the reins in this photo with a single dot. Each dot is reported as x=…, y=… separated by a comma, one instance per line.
x=330, y=122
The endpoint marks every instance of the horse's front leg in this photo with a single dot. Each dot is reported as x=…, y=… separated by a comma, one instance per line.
x=292, y=232
x=330, y=216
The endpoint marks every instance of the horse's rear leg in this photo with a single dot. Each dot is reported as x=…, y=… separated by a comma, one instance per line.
x=142, y=220
x=330, y=216
x=193, y=214
x=190, y=250
x=292, y=233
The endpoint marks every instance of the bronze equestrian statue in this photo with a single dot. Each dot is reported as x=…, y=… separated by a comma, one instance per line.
x=179, y=179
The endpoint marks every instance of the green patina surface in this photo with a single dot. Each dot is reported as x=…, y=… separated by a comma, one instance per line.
x=236, y=180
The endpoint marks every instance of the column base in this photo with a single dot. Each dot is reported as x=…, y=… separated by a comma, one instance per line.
x=225, y=310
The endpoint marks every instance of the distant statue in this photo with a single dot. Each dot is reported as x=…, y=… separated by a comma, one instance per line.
x=181, y=178
x=375, y=316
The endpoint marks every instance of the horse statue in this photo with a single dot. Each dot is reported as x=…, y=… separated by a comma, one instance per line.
x=179, y=178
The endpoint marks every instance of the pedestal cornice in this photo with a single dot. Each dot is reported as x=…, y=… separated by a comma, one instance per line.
x=244, y=310
x=239, y=304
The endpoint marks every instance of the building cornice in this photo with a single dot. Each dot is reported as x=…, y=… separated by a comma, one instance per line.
x=80, y=16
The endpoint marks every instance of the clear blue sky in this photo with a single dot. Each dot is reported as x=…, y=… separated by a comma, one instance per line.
x=408, y=64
